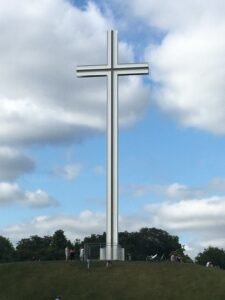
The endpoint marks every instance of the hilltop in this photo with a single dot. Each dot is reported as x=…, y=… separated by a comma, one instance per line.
x=128, y=280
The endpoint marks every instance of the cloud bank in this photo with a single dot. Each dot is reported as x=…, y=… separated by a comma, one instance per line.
x=176, y=190
x=13, y=164
x=41, y=99
x=187, y=64
x=12, y=193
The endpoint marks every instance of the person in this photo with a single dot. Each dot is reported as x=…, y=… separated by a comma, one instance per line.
x=108, y=264
x=58, y=298
x=173, y=258
x=209, y=264
x=67, y=253
x=178, y=258
x=88, y=262
x=163, y=257
x=81, y=254
x=72, y=254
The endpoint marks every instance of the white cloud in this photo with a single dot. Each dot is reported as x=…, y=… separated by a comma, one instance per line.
x=39, y=198
x=12, y=193
x=41, y=99
x=177, y=191
x=14, y=164
x=69, y=171
x=217, y=184
x=187, y=64
x=75, y=226
x=171, y=191
x=197, y=214
x=189, y=69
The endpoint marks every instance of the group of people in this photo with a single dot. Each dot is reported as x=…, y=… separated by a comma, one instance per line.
x=175, y=258
x=69, y=253
x=209, y=264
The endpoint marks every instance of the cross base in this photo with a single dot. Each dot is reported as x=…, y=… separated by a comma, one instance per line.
x=112, y=253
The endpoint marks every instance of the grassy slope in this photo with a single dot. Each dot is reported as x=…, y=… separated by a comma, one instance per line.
x=130, y=280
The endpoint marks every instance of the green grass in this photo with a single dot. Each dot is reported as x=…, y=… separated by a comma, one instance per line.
x=129, y=280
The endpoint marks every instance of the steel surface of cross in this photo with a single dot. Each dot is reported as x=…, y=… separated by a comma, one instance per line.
x=112, y=70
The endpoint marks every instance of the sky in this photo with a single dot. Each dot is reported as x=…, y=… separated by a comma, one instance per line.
x=172, y=122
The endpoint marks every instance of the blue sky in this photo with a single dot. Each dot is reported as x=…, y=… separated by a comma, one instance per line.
x=172, y=123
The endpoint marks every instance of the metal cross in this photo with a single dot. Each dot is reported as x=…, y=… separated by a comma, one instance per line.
x=112, y=70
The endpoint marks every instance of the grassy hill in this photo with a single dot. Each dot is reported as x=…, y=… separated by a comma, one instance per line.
x=129, y=280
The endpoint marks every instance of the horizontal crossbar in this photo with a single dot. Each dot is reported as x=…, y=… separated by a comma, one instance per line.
x=104, y=70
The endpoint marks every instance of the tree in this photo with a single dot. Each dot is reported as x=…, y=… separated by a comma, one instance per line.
x=7, y=251
x=138, y=245
x=43, y=248
x=148, y=241
x=213, y=254
x=59, y=243
x=34, y=248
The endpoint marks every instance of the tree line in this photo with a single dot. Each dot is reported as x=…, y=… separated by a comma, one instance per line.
x=138, y=245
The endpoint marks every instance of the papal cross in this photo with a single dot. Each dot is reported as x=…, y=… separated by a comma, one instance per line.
x=112, y=70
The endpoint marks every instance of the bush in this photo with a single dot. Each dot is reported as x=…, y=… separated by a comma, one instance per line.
x=213, y=254
x=7, y=251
